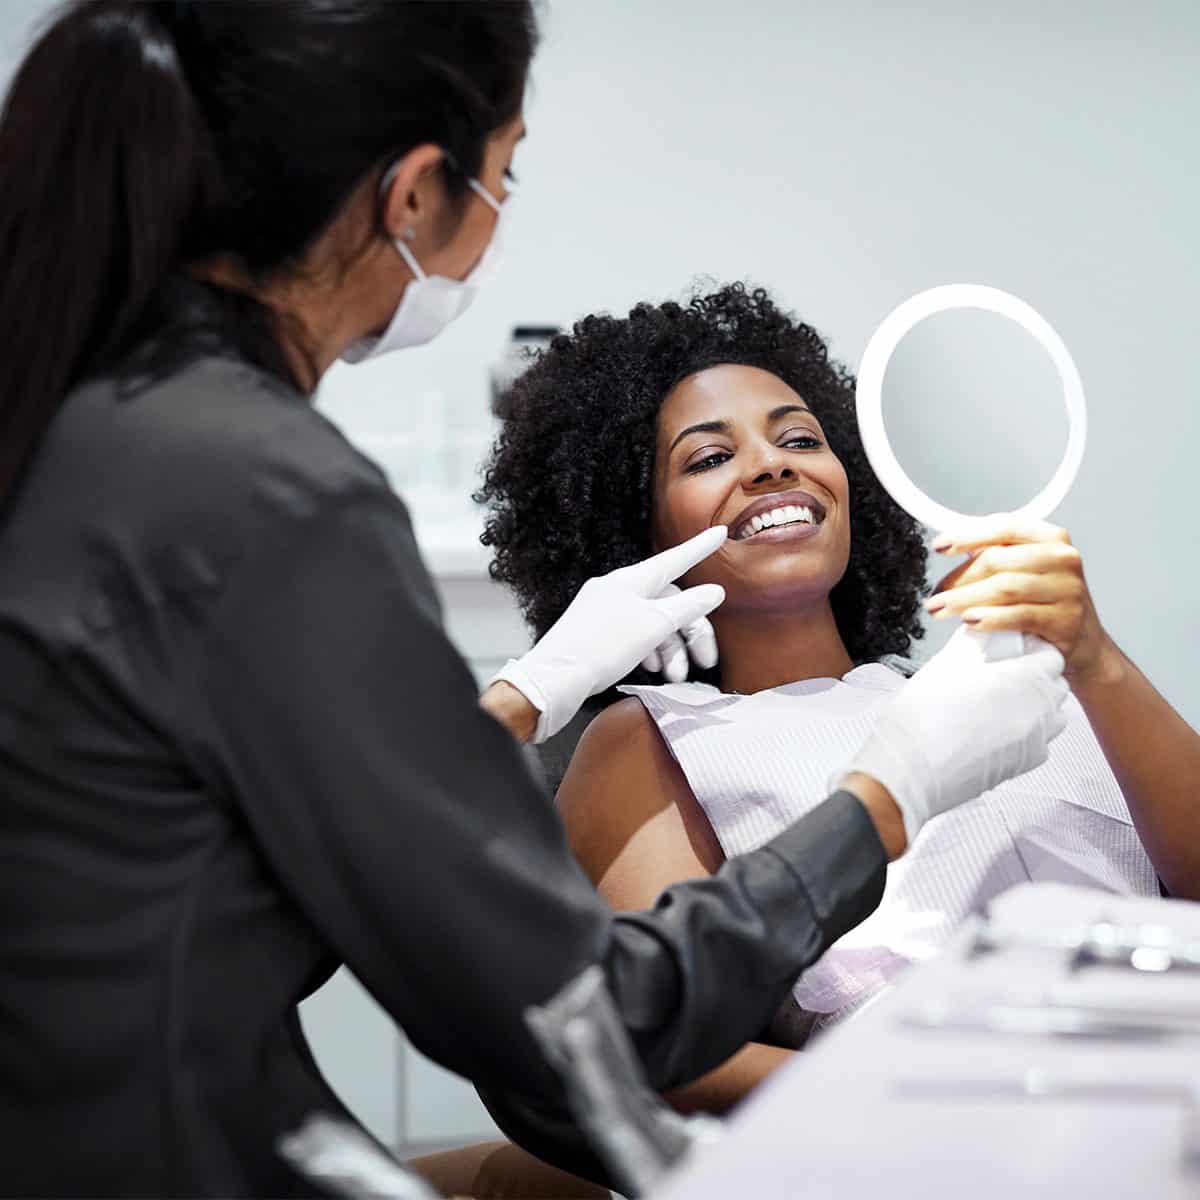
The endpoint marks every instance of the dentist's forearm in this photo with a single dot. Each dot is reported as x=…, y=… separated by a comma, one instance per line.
x=882, y=809
x=510, y=707
x=1155, y=755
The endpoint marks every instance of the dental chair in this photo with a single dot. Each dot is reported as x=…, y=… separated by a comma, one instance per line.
x=554, y=755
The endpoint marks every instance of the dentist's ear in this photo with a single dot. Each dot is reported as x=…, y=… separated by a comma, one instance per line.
x=411, y=190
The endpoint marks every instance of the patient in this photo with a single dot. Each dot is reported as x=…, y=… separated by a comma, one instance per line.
x=631, y=435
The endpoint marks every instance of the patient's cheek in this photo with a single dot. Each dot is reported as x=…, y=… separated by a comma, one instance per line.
x=710, y=571
x=677, y=522
x=675, y=519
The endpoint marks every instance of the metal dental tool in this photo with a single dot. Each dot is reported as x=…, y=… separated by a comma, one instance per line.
x=1038, y=1084
x=1049, y=1019
x=1148, y=948
x=1151, y=948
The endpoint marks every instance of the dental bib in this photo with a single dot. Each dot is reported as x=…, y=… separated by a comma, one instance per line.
x=758, y=763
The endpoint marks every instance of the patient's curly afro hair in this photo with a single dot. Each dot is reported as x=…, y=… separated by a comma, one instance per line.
x=570, y=479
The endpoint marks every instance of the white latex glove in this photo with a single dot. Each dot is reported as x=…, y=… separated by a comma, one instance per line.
x=615, y=622
x=696, y=641
x=963, y=724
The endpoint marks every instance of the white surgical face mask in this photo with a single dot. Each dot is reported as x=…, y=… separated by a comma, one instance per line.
x=431, y=302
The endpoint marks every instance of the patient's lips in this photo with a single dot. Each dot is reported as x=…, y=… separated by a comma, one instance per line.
x=781, y=516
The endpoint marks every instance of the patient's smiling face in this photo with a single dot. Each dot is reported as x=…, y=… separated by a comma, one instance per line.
x=736, y=446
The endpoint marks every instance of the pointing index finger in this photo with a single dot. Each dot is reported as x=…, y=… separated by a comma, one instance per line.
x=654, y=573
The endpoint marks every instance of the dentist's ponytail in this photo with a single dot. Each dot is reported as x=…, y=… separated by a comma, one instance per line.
x=103, y=161
x=143, y=136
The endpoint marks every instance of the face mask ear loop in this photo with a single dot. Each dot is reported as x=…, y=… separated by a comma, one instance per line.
x=484, y=194
x=410, y=259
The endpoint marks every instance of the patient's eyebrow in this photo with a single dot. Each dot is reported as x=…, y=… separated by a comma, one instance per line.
x=784, y=409
x=703, y=427
x=724, y=427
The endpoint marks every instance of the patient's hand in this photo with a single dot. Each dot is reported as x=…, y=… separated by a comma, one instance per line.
x=1024, y=576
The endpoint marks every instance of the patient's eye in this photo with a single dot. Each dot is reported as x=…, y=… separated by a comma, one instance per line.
x=714, y=458
x=801, y=439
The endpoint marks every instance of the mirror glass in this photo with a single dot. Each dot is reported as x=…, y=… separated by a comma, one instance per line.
x=973, y=409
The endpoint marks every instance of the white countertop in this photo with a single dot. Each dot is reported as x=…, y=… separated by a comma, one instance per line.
x=882, y=1109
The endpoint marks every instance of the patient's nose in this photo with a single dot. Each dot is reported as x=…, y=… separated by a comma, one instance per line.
x=770, y=466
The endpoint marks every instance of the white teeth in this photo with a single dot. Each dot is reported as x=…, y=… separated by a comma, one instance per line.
x=786, y=515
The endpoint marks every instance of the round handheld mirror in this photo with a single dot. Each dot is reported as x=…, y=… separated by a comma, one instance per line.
x=870, y=399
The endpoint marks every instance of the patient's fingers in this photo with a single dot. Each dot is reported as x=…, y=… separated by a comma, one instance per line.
x=1044, y=620
x=1009, y=587
x=999, y=528
x=1040, y=559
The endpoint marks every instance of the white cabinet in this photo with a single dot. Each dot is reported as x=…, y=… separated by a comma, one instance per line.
x=404, y=1099
x=354, y=1041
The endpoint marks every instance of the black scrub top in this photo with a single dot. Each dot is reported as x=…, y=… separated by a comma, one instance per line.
x=236, y=750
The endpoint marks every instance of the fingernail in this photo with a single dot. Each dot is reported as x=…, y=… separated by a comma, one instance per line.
x=935, y=604
x=942, y=543
x=970, y=618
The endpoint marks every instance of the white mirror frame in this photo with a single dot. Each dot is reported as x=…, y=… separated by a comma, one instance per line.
x=869, y=398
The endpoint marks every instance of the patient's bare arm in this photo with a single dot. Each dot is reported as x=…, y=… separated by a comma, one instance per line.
x=1155, y=755
x=635, y=827
x=1027, y=576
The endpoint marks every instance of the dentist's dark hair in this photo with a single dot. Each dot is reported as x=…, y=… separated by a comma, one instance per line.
x=138, y=136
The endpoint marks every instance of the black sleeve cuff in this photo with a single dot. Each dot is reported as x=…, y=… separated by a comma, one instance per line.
x=837, y=855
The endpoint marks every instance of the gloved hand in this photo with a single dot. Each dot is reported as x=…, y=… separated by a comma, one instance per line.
x=615, y=622
x=962, y=725
x=696, y=642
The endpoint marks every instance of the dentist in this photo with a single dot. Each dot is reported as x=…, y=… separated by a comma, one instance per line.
x=236, y=747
